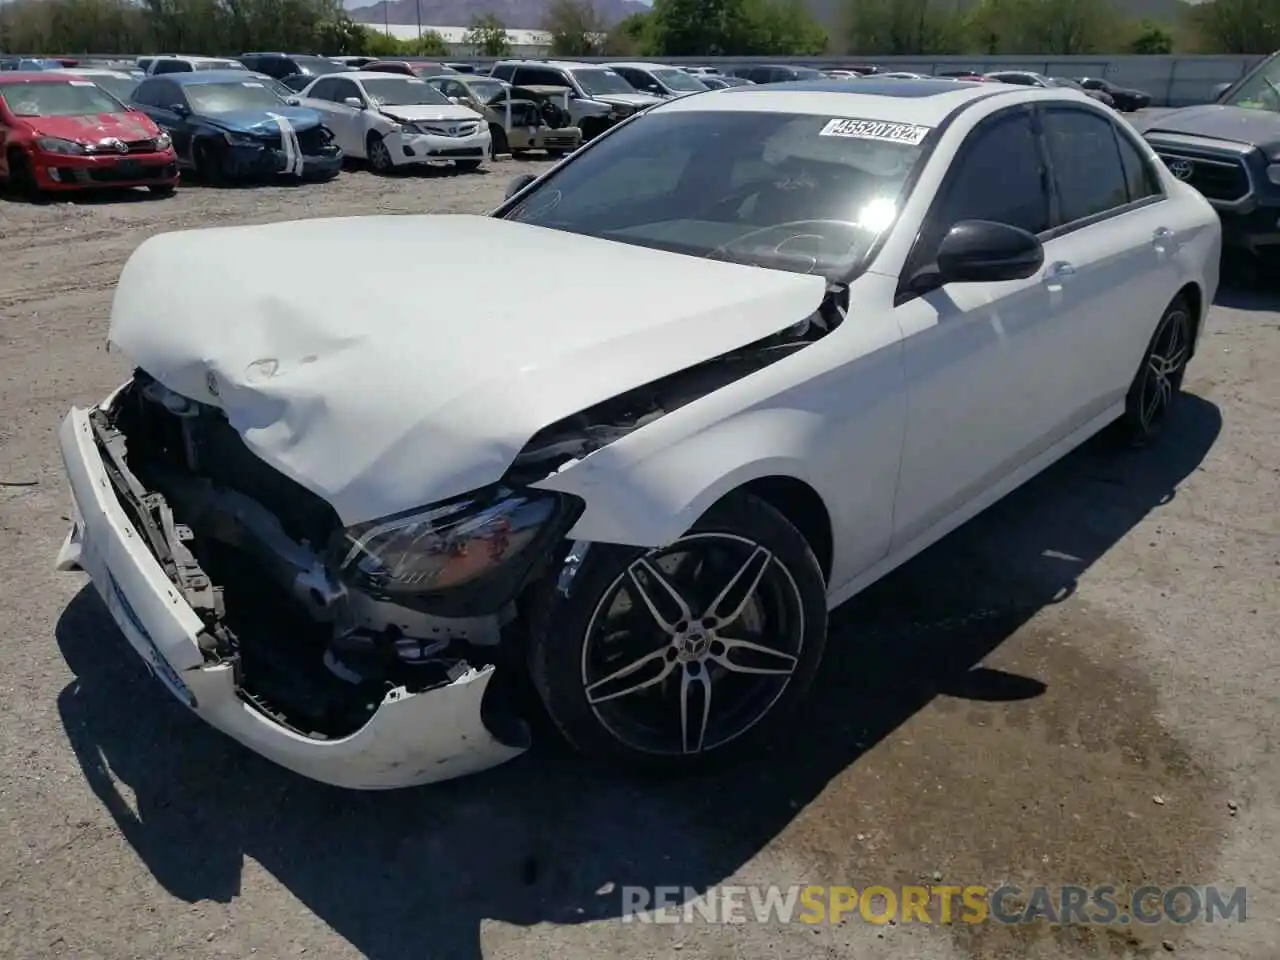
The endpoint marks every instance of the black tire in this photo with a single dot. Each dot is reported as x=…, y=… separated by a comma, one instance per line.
x=379, y=155
x=468, y=165
x=557, y=154
x=1158, y=381
x=163, y=189
x=497, y=141
x=22, y=178
x=565, y=647
x=592, y=128
x=208, y=161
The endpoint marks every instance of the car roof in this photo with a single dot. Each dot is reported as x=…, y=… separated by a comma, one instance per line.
x=556, y=64
x=98, y=72
x=637, y=65
x=208, y=76
x=926, y=102
x=373, y=75
x=37, y=76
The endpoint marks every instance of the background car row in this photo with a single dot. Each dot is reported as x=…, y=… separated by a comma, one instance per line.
x=73, y=125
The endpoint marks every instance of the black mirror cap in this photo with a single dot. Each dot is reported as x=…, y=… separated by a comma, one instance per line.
x=519, y=183
x=976, y=251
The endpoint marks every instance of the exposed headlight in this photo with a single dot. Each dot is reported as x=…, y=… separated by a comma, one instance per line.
x=240, y=140
x=1273, y=173
x=163, y=142
x=409, y=129
x=58, y=145
x=453, y=544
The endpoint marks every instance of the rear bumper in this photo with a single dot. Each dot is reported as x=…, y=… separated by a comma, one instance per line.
x=411, y=739
x=60, y=172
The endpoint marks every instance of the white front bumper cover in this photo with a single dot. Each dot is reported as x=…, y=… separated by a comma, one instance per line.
x=411, y=739
x=433, y=148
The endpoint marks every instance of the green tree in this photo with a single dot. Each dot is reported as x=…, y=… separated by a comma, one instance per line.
x=1051, y=27
x=1237, y=26
x=630, y=37
x=904, y=27
x=1151, y=38
x=487, y=37
x=778, y=28
x=431, y=44
x=576, y=28
x=696, y=28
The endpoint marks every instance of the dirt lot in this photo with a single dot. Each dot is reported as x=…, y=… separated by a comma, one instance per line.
x=1121, y=728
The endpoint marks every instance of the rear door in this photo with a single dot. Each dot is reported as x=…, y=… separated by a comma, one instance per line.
x=1113, y=245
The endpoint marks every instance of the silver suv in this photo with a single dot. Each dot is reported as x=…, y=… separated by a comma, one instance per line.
x=597, y=96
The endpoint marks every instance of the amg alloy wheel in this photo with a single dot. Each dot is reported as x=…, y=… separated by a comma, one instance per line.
x=662, y=657
x=1159, y=380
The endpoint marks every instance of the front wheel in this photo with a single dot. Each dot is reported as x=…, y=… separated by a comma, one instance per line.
x=664, y=658
x=208, y=163
x=22, y=177
x=162, y=189
x=467, y=164
x=380, y=155
x=497, y=141
x=1158, y=382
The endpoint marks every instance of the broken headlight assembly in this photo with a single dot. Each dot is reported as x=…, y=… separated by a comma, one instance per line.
x=463, y=557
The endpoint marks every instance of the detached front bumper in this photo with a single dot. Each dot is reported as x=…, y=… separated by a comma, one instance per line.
x=56, y=171
x=411, y=739
x=250, y=161
x=433, y=148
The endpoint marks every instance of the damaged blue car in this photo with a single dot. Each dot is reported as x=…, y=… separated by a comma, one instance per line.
x=229, y=125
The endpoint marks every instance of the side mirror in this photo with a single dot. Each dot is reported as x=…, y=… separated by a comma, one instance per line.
x=181, y=109
x=292, y=102
x=453, y=99
x=1220, y=89
x=354, y=102
x=519, y=183
x=978, y=251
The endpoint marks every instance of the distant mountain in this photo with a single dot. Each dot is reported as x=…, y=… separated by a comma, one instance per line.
x=529, y=14
x=515, y=14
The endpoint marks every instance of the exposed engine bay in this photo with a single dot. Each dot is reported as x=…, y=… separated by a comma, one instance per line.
x=259, y=557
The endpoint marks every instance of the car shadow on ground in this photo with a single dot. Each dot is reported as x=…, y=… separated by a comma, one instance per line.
x=547, y=838
x=82, y=198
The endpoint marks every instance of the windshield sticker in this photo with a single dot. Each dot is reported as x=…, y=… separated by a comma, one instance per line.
x=908, y=133
x=82, y=83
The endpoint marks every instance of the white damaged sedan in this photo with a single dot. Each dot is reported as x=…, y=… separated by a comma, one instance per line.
x=810, y=332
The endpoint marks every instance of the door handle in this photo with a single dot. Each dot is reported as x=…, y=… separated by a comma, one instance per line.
x=1162, y=233
x=1059, y=271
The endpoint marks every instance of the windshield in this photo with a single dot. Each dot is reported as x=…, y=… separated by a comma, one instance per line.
x=1261, y=91
x=229, y=97
x=119, y=87
x=797, y=192
x=807, y=73
x=73, y=98
x=276, y=87
x=220, y=65
x=602, y=82
x=402, y=92
x=485, y=90
x=679, y=80
x=319, y=66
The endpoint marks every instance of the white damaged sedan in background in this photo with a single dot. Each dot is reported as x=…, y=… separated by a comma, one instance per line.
x=344, y=533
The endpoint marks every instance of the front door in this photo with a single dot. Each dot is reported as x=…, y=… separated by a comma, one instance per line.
x=973, y=353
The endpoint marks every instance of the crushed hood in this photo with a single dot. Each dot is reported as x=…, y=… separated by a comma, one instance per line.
x=432, y=112
x=636, y=100
x=1236, y=124
x=95, y=127
x=260, y=123
x=401, y=375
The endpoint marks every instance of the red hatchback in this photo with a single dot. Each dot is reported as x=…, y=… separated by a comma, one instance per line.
x=63, y=132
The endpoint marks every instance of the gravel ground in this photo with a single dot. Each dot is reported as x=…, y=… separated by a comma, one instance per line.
x=1079, y=686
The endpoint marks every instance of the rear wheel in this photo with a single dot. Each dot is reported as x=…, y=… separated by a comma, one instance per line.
x=163, y=189
x=1158, y=382
x=667, y=657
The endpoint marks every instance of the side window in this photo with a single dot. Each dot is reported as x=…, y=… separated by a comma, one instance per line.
x=324, y=90
x=633, y=77
x=504, y=71
x=343, y=89
x=1142, y=180
x=997, y=175
x=540, y=76
x=1086, y=163
x=172, y=66
x=145, y=94
x=452, y=88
